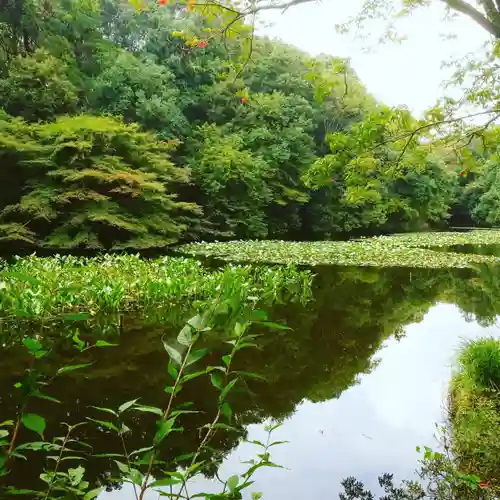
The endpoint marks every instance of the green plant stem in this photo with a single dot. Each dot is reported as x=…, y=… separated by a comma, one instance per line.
x=15, y=433
x=128, y=462
x=59, y=458
x=165, y=416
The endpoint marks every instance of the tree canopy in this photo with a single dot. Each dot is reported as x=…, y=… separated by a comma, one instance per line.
x=126, y=128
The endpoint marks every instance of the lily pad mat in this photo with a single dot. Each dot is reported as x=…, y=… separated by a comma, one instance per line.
x=405, y=250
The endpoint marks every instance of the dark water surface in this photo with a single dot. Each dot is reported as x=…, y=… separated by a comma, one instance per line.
x=360, y=380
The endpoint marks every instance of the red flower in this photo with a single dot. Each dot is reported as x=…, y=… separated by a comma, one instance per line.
x=244, y=100
x=202, y=44
x=461, y=173
x=483, y=485
x=162, y=2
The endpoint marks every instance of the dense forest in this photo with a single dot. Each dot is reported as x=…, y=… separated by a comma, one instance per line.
x=126, y=129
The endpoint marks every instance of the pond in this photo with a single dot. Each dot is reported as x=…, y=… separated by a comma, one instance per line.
x=359, y=381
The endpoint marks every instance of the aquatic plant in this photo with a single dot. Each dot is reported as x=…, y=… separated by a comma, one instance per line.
x=43, y=288
x=409, y=250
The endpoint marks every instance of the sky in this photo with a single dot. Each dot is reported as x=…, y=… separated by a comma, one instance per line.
x=407, y=74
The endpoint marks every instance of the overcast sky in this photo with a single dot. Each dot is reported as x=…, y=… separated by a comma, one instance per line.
x=398, y=74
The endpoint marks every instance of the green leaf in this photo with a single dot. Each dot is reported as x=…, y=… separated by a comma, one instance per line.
x=227, y=411
x=276, y=443
x=196, y=322
x=274, y=326
x=226, y=389
x=105, y=423
x=75, y=317
x=226, y=359
x=255, y=376
x=133, y=475
x=38, y=394
x=195, y=356
x=172, y=370
x=191, y=376
x=174, y=354
x=103, y=343
x=71, y=368
x=34, y=423
x=164, y=429
x=39, y=446
x=3, y=433
x=79, y=342
x=32, y=345
x=141, y=450
x=216, y=380
x=259, y=315
x=149, y=409
x=76, y=475
x=165, y=482
x=16, y=491
x=90, y=495
x=127, y=405
x=232, y=483
x=107, y=410
x=24, y=277
x=185, y=336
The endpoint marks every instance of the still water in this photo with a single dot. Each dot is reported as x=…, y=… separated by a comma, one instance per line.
x=359, y=382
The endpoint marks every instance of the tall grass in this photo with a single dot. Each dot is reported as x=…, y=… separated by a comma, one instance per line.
x=475, y=410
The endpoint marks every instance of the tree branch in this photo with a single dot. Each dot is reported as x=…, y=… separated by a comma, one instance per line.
x=475, y=15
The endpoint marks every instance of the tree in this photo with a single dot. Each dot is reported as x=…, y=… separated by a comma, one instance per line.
x=37, y=87
x=91, y=182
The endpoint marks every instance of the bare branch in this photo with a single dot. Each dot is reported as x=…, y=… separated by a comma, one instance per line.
x=475, y=15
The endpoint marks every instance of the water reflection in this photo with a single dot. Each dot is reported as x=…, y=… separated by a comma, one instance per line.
x=346, y=413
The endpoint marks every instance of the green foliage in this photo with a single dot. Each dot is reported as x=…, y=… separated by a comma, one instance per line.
x=428, y=250
x=474, y=409
x=37, y=87
x=40, y=288
x=261, y=129
x=93, y=182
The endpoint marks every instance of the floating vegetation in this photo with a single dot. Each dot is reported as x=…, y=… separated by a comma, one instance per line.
x=406, y=250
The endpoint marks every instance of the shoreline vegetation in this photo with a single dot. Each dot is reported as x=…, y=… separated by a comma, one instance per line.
x=58, y=287
x=425, y=250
